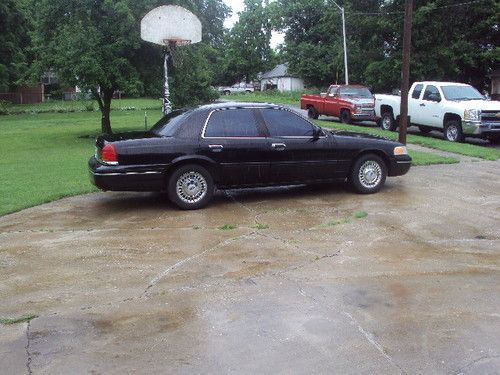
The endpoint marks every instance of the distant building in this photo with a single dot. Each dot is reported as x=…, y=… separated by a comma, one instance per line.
x=279, y=79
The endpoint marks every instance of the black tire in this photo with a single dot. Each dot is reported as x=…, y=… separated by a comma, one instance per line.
x=312, y=113
x=453, y=131
x=226, y=92
x=190, y=187
x=248, y=91
x=345, y=116
x=387, y=122
x=368, y=174
x=424, y=129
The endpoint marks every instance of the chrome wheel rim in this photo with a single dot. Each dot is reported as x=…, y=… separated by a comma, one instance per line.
x=191, y=187
x=370, y=174
x=386, y=123
x=452, y=133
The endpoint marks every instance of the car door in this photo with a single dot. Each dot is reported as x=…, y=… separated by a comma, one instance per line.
x=429, y=112
x=237, y=142
x=414, y=102
x=297, y=155
x=331, y=102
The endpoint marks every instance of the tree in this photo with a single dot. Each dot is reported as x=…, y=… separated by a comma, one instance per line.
x=248, y=49
x=13, y=41
x=96, y=45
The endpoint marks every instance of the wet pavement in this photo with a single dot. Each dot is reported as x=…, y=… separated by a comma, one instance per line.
x=125, y=283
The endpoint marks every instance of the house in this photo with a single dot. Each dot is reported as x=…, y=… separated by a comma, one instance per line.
x=278, y=78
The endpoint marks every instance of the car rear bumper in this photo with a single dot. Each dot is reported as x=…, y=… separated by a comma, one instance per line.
x=118, y=178
x=399, y=166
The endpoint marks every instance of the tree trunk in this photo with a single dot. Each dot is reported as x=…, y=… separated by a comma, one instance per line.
x=104, y=102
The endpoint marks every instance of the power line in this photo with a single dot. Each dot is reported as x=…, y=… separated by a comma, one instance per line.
x=402, y=12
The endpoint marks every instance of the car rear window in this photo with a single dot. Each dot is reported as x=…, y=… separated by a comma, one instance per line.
x=237, y=122
x=169, y=124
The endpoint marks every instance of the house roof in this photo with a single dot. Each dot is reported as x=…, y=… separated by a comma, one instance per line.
x=280, y=70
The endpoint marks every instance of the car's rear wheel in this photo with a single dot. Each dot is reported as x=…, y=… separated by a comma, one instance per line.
x=190, y=187
x=312, y=113
x=387, y=122
x=453, y=131
x=368, y=174
x=345, y=116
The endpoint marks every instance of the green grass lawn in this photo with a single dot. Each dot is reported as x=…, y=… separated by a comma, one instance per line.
x=44, y=157
x=63, y=106
x=288, y=98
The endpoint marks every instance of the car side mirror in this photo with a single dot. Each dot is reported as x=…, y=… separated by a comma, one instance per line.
x=317, y=133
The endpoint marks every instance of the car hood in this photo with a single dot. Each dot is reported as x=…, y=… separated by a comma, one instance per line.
x=359, y=101
x=484, y=105
x=343, y=133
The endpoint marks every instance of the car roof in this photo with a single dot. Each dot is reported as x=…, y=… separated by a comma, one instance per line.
x=227, y=105
x=440, y=83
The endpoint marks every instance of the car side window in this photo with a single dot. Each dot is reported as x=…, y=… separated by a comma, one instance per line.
x=282, y=123
x=237, y=122
x=431, y=93
x=417, y=91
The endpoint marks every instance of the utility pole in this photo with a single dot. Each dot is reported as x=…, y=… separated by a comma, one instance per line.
x=405, y=71
x=345, y=43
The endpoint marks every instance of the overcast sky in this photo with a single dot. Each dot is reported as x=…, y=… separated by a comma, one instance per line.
x=237, y=6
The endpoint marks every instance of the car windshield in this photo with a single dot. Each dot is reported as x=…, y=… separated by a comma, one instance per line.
x=169, y=124
x=461, y=93
x=358, y=92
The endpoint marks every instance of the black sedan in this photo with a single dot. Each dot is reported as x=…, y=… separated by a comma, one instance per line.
x=190, y=152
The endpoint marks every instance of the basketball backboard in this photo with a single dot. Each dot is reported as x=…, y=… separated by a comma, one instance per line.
x=170, y=24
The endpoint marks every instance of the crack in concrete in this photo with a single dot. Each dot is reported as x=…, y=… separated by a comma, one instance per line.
x=27, y=347
x=473, y=363
x=180, y=263
x=370, y=337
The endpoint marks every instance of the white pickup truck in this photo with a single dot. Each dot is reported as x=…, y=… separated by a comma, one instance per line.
x=457, y=109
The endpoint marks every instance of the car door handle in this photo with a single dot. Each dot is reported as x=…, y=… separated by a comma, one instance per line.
x=215, y=148
x=278, y=146
x=422, y=104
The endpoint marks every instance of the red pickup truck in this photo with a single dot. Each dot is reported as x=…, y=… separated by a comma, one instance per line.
x=347, y=102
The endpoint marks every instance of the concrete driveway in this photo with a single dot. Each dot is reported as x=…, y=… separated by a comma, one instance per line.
x=125, y=283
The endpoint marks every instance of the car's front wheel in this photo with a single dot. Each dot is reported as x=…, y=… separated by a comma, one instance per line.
x=345, y=116
x=387, y=122
x=190, y=187
x=368, y=174
x=453, y=131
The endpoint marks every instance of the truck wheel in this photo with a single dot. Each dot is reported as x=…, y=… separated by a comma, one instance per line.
x=368, y=174
x=226, y=92
x=387, y=121
x=190, y=187
x=345, y=116
x=453, y=131
x=312, y=113
x=424, y=129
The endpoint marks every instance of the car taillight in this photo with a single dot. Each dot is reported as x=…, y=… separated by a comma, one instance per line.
x=108, y=154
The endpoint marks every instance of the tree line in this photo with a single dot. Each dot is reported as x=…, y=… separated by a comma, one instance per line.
x=96, y=43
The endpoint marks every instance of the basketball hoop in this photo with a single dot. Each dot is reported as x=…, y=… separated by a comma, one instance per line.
x=171, y=26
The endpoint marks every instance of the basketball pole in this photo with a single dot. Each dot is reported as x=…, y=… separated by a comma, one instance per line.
x=167, y=104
